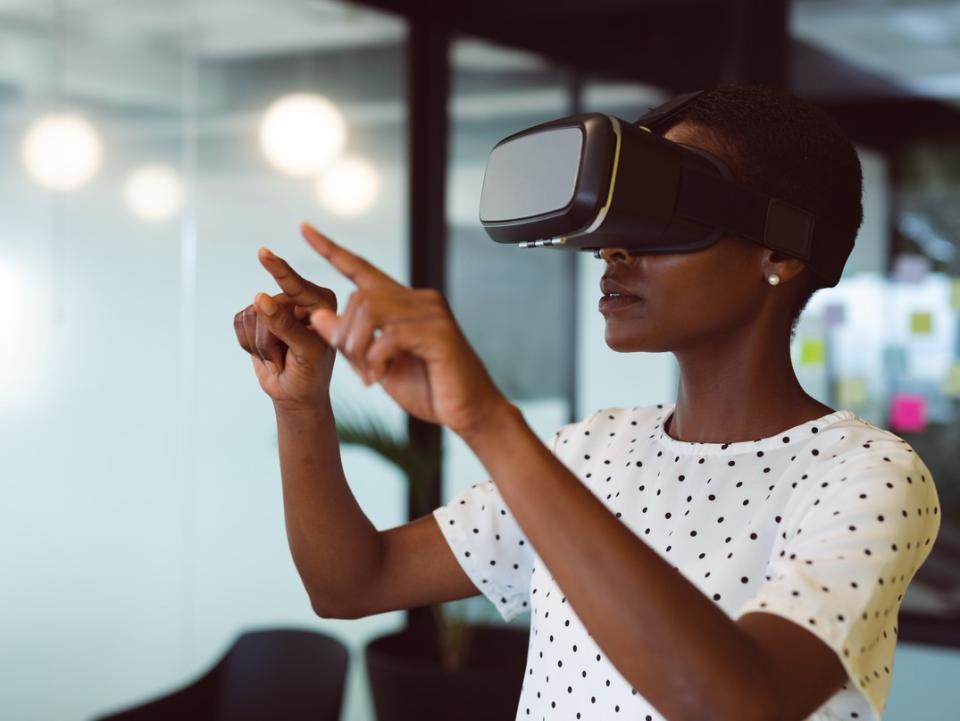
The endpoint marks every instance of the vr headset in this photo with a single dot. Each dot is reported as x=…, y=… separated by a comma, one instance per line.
x=592, y=181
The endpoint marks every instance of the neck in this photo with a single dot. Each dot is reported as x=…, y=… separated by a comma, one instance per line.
x=739, y=389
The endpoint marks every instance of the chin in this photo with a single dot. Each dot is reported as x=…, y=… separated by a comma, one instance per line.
x=626, y=343
x=636, y=338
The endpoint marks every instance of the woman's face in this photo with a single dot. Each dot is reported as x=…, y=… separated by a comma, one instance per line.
x=687, y=299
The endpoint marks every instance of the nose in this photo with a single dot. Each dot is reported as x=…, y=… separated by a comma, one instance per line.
x=610, y=254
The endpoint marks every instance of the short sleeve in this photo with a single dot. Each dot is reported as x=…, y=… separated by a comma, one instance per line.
x=843, y=561
x=489, y=544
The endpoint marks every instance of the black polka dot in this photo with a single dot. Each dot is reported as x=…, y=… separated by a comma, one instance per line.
x=789, y=506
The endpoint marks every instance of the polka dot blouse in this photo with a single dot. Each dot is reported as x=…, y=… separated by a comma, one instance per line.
x=824, y=524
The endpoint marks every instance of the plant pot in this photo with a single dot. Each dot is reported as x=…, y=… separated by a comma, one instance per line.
x=409, y=682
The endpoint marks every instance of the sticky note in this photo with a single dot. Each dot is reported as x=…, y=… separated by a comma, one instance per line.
x=908, y=413
x=955, y=294
x=851, y=391
x=921, y=323
x=951, y=385
x=894, y=359
x=813, y=351
x=910, y=268
x=834, y=315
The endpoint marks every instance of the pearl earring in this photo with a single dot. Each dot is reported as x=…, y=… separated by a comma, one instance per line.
x=773, y=279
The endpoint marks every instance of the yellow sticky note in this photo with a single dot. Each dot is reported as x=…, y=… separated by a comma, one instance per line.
x=951, y=385
x=921, y=322
x=955, y=294
x=851, y=391
x=813, y=351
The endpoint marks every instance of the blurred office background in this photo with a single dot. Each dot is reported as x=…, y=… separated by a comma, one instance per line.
x=148, y=149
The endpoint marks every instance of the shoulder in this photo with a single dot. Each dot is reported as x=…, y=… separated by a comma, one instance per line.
x=857, y=448
x=853, y=443
x=861, y=465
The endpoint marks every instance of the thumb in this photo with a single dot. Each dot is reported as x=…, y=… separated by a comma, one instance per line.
x=279, y=319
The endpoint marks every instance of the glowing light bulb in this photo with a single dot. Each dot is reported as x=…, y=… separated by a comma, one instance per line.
x=349, y=187
x=153, y=193
x=301, y=134
x=62, y=151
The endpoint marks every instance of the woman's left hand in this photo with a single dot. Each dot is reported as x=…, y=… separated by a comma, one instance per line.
x=407, y=340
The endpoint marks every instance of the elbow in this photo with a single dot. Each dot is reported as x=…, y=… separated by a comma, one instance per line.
x=324, y=610
x=319, y=609
x=323, y=607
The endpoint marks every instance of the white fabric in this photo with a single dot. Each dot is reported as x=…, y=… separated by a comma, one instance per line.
x=824, y=524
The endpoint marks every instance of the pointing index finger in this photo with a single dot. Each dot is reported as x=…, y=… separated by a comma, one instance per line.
x=358, y=270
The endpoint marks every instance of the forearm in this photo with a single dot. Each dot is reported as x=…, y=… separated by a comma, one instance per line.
x=673, y=643
x=334, y=545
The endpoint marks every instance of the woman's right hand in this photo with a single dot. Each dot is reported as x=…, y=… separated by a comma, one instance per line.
x=293, y=362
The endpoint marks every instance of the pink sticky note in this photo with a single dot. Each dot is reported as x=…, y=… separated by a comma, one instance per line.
x=908, y=413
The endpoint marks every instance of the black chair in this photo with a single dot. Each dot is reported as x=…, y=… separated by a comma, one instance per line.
x=270, y=675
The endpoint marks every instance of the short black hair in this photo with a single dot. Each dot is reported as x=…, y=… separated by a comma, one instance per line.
x=789, y=148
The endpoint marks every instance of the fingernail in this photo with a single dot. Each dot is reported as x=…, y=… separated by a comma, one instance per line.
x=267, y=252
x=267, y=305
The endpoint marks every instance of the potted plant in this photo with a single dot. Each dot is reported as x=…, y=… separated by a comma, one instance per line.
x=459, y=669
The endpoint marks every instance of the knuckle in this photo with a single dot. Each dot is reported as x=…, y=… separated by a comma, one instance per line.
x=329, y=297
x=283, y=320
x=432, y=295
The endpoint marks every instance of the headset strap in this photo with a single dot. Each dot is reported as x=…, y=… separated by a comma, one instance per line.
x=768, y=221
x=662, y=113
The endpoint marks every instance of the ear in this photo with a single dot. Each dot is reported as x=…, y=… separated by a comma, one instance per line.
x=787, y=267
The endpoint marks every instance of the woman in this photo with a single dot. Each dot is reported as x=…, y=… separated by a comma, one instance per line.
x=740, y=553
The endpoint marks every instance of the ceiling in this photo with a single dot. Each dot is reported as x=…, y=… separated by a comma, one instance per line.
x=915, y=44
x=886, y=67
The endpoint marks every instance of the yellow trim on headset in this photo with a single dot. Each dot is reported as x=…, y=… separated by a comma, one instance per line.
x=602, y=214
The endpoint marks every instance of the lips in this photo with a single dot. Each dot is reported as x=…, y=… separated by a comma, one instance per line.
x=611, y=287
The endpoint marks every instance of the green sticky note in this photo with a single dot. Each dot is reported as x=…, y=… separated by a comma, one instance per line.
x=921, y=323
x=955, y=294
x=813, y=351
x=951, y=385
x=851, y=391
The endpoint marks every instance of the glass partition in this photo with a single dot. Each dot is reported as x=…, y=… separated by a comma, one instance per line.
x=514, y=304
x=886, y=341
x=148, y=150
